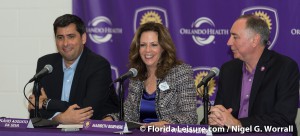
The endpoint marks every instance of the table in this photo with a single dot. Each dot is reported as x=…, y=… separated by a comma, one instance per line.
x=136, y=132
x=58, y=132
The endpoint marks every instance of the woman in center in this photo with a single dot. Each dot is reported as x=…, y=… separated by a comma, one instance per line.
x=163, y=92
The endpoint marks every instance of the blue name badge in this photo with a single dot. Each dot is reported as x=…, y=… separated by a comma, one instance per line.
x=187, y=130
x=15, y=123
x=104, y=126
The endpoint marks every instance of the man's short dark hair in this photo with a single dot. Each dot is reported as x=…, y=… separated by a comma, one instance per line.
x=68, y=19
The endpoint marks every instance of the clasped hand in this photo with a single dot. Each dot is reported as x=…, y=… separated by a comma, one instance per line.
x=74, y=115
x=220, y=116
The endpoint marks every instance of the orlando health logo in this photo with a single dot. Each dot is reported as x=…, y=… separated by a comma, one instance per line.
x=203, y=31
x=150, y=14
x=269, y=15
x=295, y=31
x=101, y=30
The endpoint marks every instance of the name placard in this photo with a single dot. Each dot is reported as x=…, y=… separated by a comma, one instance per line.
x=187, y=130
x=104, y=126
x=15, y=123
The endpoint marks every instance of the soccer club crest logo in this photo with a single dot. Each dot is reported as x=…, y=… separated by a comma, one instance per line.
x=150, y=14
x=115, y=75
x=199, y=74
x=87, y=124
x=270, y=16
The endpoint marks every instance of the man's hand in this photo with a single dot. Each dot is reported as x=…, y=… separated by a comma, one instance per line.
x=43, y=96
x=108, y=119
x=74, y=116
x=220, y=116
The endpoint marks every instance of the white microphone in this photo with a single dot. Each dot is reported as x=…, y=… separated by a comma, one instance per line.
x=46, y=70
x=213, y=72
x=131, y=73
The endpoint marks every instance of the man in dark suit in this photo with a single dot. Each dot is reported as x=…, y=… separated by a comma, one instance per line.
x=259, y=87
x=78, y=88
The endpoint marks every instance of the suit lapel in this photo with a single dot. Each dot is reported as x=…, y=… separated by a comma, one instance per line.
x=259, y=75
x=60, y=74
x=237, y=89
x=77, y=74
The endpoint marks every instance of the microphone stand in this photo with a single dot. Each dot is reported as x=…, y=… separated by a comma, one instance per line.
x=37, y=94
x=121, y=98
x=121, y=113
x=205, y=103
x=38, y=121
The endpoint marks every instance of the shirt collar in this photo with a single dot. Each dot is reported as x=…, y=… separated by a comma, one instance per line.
x=74, y=65
x=245, y=71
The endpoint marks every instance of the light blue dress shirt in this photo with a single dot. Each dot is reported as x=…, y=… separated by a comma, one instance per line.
x=67, y=82
x=68, y=79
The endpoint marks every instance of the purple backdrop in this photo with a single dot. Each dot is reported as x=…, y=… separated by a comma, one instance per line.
x=200, y=29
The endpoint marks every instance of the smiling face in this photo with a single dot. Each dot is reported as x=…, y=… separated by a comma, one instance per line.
x=241, y=41
x=150, y=50
x=69, y=43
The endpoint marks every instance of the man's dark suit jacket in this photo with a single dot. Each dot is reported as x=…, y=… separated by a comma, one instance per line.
x=90, y=86
x=274, y=94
